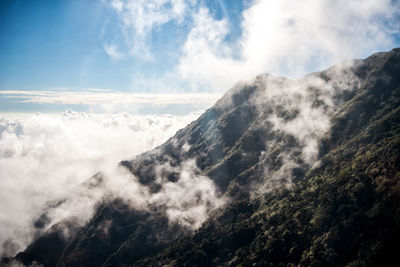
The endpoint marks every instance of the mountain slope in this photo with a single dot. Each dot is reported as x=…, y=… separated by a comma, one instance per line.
x=345, y=212
x=310, y=168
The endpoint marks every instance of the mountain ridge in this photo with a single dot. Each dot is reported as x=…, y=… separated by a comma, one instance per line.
x=279, y=137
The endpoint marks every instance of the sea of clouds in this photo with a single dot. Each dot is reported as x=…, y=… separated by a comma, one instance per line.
x=44, y=159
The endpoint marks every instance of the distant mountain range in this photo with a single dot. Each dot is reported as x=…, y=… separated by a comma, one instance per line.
x=305, y=173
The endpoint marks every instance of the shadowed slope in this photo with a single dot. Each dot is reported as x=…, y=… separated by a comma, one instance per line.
x=310, y=167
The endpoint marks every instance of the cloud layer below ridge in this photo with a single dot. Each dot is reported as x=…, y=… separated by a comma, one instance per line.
x=45, y=158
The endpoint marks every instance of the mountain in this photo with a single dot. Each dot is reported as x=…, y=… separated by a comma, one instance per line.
x=305, y=173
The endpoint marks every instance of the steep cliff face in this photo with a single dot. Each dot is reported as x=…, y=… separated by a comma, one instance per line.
x=308, y=171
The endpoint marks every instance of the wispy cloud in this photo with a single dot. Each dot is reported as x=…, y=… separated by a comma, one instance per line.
x=99, y=96
x=283, y=37
x=286, y=37
x=140, y=17
x=112, y=51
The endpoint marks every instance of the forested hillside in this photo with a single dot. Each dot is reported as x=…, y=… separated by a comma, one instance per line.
x=306, y=172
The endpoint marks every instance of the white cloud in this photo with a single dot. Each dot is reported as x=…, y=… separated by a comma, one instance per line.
x=283, y=37
x=44, y=158
x=97, y=96
x=286, y=37
x=302, y=109
x=112, y=51
x=140, y=17
x=190, y=199
x=205, y=57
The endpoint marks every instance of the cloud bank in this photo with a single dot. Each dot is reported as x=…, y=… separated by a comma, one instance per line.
x=44, y=159
x=110, y=97
x=98, y=100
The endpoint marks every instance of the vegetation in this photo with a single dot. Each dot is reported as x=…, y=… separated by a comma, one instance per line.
x=343, y=212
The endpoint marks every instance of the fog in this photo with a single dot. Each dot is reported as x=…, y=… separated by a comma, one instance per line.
x=44, y=159
x=302, y=109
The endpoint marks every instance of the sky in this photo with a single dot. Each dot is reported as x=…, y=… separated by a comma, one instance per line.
x=173, y=56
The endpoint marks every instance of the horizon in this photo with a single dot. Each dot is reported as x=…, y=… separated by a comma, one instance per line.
x=56, y=53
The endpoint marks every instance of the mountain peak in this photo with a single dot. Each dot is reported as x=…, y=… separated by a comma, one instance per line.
x=278, y=172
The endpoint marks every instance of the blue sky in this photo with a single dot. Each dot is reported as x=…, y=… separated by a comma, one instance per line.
x=173, y=47
x=53, y=44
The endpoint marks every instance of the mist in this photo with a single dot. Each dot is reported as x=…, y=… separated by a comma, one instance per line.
x=300, y=110
x=45, y=160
